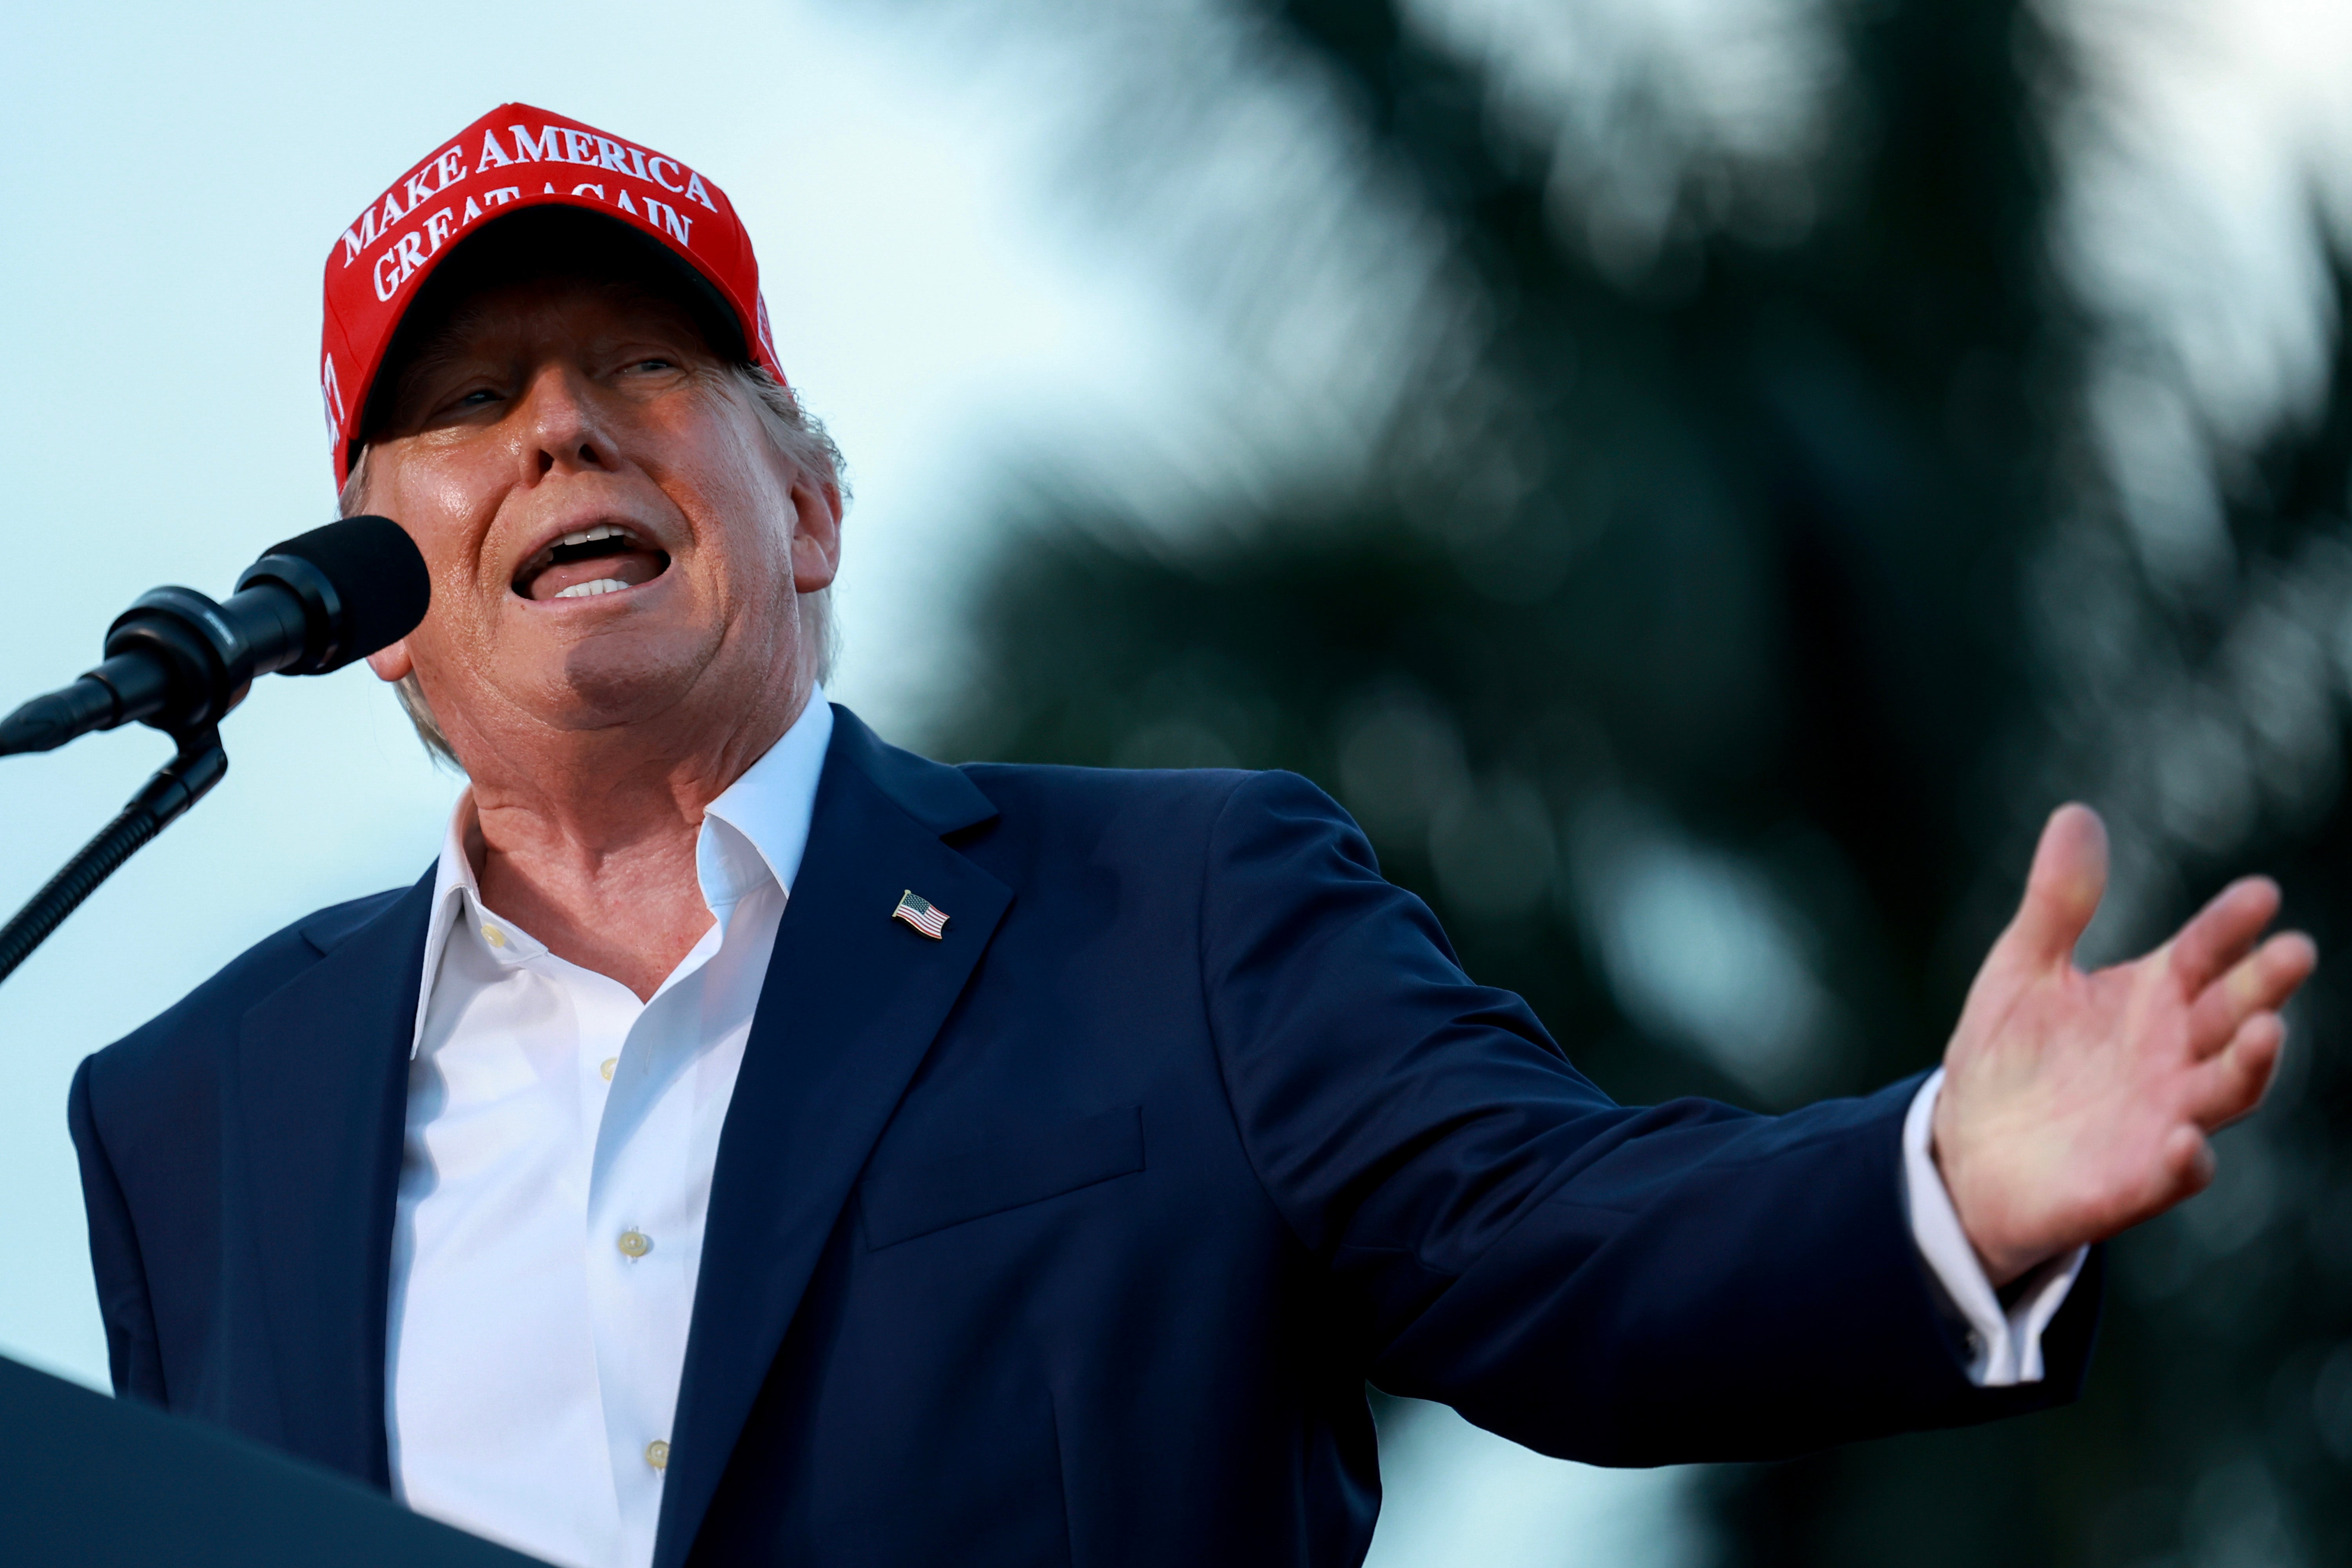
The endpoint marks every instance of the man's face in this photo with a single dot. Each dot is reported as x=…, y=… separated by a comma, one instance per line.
x=612, y=536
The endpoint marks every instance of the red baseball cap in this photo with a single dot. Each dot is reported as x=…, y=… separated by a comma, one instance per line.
x=513, y=159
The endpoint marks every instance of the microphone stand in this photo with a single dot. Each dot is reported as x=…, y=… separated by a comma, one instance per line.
x=178, y=661
x=177, y=785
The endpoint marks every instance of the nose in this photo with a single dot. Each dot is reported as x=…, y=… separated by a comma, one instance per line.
x=562, y=424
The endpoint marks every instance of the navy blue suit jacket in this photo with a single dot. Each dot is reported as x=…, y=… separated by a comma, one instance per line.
x=1072, y=1237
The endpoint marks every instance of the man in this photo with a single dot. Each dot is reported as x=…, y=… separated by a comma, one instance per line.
x=752, y=1143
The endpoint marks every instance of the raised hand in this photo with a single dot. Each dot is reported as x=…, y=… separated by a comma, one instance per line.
x=2077, y=1105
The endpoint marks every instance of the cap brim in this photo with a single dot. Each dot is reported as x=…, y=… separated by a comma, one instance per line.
x=548, y=239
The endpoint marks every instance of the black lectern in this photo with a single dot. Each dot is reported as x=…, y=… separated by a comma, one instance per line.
x=86, y=1480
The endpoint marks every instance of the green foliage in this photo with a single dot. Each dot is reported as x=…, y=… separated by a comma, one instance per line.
x=1729, y=565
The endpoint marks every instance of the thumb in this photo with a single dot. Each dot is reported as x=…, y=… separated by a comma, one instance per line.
x=2063, y=889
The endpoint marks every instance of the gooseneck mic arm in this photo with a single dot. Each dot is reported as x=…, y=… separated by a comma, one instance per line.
x=177, y=785
x=179, y=661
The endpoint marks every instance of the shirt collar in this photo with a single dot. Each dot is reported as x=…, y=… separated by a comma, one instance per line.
x=754, y=833
x=766, y=810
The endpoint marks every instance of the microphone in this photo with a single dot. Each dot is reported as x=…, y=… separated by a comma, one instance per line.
x=179, y=661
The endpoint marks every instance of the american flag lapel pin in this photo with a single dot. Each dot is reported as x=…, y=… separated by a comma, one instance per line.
x=918, y=912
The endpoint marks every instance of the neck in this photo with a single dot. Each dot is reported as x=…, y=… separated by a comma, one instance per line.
x=586, y=838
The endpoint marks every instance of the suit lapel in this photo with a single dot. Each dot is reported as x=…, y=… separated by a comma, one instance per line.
x=321, y=1091
x=852, y=1002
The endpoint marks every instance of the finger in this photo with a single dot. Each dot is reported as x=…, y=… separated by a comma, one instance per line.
x=2233, y=1083
x=2188, y=1161
x=2182, y=1168
x=2261, y=983
x=2223, y=931
x=2063, y=889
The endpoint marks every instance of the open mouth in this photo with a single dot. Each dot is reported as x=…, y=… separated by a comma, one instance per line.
x=604, y=559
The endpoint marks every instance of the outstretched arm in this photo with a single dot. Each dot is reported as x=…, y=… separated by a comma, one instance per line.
x=2076, y=1105
x=1621, y=1285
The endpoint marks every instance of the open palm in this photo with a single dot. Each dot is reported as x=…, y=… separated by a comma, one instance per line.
x=2074, y=1104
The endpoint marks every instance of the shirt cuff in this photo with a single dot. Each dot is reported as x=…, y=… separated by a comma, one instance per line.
x=2004, y=1345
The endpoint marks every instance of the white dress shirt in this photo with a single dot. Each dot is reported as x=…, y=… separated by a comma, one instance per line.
x=557, y=1171
x=561, y=1136
x=2004, y=1344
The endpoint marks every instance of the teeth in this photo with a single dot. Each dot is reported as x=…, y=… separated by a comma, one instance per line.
x=590, y=535
x=546, y=557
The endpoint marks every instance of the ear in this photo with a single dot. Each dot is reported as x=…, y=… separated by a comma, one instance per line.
x=391, y=663
x=816, y=534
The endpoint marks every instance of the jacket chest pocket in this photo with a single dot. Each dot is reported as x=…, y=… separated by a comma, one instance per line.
x=909, y=1201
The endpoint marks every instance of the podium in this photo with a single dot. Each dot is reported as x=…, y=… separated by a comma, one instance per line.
x=91, y=1482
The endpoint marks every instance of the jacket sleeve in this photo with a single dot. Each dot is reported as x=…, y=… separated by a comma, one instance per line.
x=131, y=1351
x=1619, y=1285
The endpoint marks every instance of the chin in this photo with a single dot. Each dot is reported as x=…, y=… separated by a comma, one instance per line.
x=619, y=679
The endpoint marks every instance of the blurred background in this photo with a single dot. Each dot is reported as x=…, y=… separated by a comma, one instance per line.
x=1698, y=478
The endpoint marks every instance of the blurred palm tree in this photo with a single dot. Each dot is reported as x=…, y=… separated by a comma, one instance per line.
x=1718, y=602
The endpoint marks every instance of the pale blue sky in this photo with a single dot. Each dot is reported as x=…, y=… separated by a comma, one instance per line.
x=174, y=182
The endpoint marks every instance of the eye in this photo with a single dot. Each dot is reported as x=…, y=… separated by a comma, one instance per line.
x=437, y=407
x=654, y=362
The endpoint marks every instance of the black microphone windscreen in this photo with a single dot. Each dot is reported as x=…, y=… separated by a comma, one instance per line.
x=377, y=573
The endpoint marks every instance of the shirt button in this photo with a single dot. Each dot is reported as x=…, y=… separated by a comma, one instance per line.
x=657, y=1453
x=637, y=1244
x=606, y=1067
x=494, y=936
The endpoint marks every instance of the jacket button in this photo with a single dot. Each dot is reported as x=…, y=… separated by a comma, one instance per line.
x=637, y=1244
